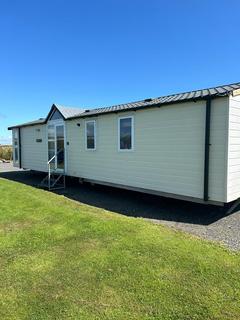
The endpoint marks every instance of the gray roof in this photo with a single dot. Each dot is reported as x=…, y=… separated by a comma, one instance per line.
x=71, y=113
x=164, y=100
x=30, y=123
x=68, y=112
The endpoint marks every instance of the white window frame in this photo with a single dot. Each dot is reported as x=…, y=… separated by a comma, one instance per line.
x=132, y=134
x=95, y=135
x=15, y=132
x=58, y=122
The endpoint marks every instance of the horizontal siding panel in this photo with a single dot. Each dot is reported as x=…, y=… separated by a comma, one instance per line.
x=234, y=149
x=235, y=125
x=168, y=152
x=34, y=154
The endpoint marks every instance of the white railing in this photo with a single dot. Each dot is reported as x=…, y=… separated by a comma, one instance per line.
x=49, y=168
x=49, y=171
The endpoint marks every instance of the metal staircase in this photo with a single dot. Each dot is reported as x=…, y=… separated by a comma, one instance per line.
x=54, y=180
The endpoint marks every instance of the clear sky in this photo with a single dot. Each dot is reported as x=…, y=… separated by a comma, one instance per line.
x=96, y=53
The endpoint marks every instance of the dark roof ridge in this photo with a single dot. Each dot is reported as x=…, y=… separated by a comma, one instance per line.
x=170, y=95
x=72, y=113
x=200, y=89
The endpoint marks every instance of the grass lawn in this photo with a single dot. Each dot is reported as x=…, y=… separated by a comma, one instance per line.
x=63, y=260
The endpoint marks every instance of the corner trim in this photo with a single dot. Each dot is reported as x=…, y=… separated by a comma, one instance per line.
x=19, y=148
x=207, y=150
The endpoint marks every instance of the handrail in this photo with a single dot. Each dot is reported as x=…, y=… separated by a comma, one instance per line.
x=49, y=161
x=49, y=168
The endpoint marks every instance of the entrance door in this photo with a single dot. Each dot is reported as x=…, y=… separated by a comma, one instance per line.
x=56, y=146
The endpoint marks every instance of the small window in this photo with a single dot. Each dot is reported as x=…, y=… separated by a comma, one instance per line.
x=125, y=133
x=90, y=132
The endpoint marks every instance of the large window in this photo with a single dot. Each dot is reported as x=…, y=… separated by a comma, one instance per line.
x=125, y=133
x=15, y=146
x=51, y=145
x=51, y=141
x=90, y=135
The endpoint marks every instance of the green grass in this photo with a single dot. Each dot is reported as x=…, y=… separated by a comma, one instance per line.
x=63, y=260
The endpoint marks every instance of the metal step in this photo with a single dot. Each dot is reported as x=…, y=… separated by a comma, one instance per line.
x=53, y=181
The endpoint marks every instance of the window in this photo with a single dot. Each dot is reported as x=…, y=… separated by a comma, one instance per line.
x=90, y=135
x=56, y=146
x=125, y=133
x=51, y=141
x=15, y=146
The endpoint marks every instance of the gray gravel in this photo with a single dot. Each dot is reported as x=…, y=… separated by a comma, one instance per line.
x=226, y=230
x=208, y=222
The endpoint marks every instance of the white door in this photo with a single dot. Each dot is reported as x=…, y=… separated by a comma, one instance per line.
x=56, y=146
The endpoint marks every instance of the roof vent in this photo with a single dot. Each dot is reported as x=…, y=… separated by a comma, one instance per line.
x=148, y=100
x=87, y=110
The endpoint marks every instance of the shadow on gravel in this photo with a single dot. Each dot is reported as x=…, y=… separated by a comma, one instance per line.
x=128, y=203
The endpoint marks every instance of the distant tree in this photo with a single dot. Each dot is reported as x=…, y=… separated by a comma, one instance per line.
x=6, y=152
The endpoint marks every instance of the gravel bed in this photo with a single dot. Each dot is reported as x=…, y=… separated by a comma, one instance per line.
x=226, y=230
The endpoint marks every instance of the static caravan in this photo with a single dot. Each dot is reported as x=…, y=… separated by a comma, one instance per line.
x=184, y=146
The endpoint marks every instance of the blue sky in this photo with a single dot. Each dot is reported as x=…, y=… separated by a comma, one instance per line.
x=97, y=53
